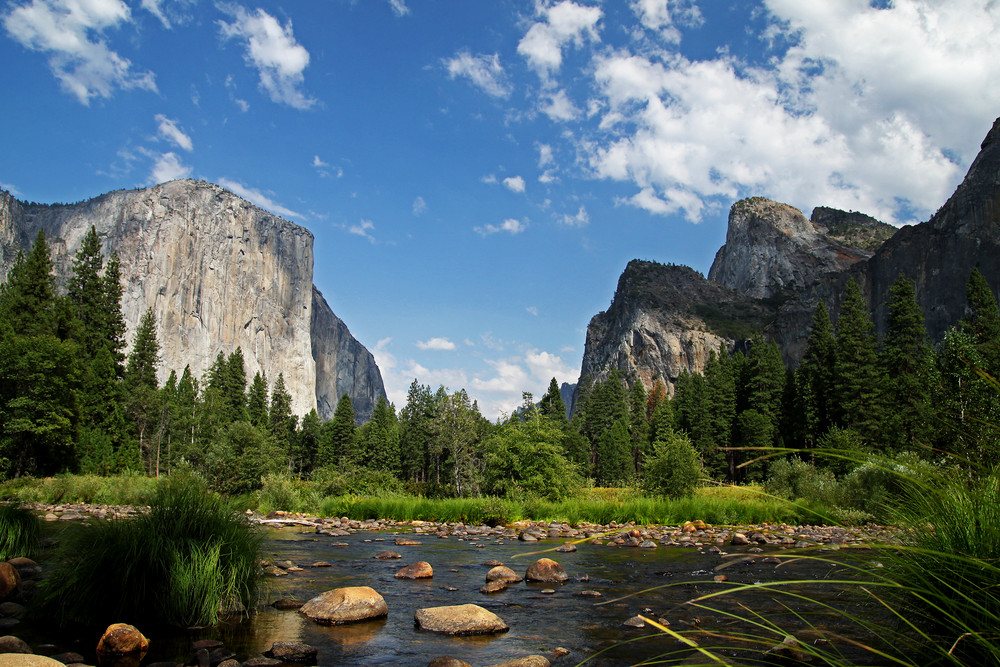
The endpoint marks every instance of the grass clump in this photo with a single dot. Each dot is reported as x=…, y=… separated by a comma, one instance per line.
x=187, y=560
x=18, y=531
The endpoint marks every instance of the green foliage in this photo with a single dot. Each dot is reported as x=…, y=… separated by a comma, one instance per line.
x=19, y=530
x=525, y=457
x=794, y=479
x=350, y=479
x=552, y=404
x=858, y=379
x=674, y=469
x=186, y=561
x=239, y=459
x=613, y=464
x=378, y=440
x=336, y=444
x=814, y=379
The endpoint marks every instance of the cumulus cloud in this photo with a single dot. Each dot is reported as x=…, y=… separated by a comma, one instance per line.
x=168, y=167
x=581, y=219
x=876, y=109
x=514, y=183
x=272, y=49
x=259, y=198
x=168, y=129
x=510, y=225
x=363, y=229
x=438, y=343
x=484, y=71
x=559, y=107
x=71, y=33
x=663, y=16
x=563, y=23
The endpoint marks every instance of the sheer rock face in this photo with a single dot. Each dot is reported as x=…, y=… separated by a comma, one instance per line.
x=219, y=273
x=775, y=268
x=665, y=320
x=772, y=249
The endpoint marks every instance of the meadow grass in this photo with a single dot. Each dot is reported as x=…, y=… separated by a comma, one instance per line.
x=187, y=560
x=18, y=531
x=124, y=489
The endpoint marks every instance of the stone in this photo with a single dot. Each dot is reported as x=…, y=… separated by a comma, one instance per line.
x=491, y=587
x=527, y=661
x=492, y=562
x=388, y=555
x=261, y=661
x=350, y=604
x=546, y=570
x=406, y=542
x=589, y=594
x=789, y=650
x=219, y=273
x=567, y=548
x=647, y=544
x=419, y=570
x=207, y=644
x=202, y=658
x=739, y=539
x=219, y=655
x=121, y=639
x=27, y=568
x=27, y=660
x=448, y=661
x=12, y=644
x=635, y=622
x=285, y=604
x=231, y=662
x=321, y=563
x=10, y=580
x=503, y=573
x=463, y=619
x=12, y=610
x=68, y=658
x=292, y=652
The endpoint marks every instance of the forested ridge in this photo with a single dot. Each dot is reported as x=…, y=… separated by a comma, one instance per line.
x=75, y=398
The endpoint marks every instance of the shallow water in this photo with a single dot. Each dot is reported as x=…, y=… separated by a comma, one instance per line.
x=654, y=582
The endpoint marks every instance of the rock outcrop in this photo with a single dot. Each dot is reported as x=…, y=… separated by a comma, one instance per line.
x=219, y=273
x=777, y=266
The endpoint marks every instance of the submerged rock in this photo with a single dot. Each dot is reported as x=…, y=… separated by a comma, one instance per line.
x=419, y=570
x=462, y=619
x=292, y=652
x=350, y=604
x=546, y=570
x=503, y=573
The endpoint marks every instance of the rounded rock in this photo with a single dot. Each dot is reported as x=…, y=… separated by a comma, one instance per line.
x=350, y=604
x=503, y=573
x=27, y=660
x=122, y=639
x=419, y=570
x=462, y=619
x=10, y=579
x=527, y=661
x=448, y=661
x=12, y=644
x=388, y=555
x=546, y=570
x=292, y=652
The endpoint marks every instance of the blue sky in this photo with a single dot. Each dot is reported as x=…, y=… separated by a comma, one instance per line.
x=478, y=173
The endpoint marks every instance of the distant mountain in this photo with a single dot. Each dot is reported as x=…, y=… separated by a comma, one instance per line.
x=218, y=273
x=777, y=265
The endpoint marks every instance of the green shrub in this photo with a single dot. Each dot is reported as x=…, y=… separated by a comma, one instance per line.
x=674, y=469
x=185, y=561
x=18, y=531
x=349, y=479
x=795, y=479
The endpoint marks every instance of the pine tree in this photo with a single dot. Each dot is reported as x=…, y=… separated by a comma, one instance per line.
x=814, y=378
x=281, y=422
x=337, y=443
x=256, y=402
x=28, y=298
x=613, y=462
x=113, y=319
x=638, y=425
x=86, y=293
x=983, y=320
x=858, y=381
x=379, y=439
x=306, y=442
x=235, y=384
x=140, y=388
x=552, y=404
x=415, y=421
x=909, y=362
x=715, y=434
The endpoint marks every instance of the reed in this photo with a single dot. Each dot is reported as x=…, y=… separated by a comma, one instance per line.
x=187, y=560
x=18, y=531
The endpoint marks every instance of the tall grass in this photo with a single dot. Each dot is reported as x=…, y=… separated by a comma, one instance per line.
x=18, y=531
x=188, y=559
x=124, y=489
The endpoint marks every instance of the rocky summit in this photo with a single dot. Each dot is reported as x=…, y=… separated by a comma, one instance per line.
x=777, y=265
x=219, y=273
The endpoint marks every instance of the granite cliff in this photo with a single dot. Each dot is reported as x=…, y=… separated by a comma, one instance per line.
x=219, y=273
x=777, y=265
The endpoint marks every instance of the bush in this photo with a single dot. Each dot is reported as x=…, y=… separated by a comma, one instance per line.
x=185, y=562
x=674, y=469
x=879, y=484
x=349, y=479
x=18, y=531
x=794, y=479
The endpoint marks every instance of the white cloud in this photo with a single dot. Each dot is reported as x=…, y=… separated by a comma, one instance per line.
x=514, y=183
x=499, y=392
x=876, y=109
x=272, y=49
x=544, y=366
x=318, y=163
x=363, y=229
x=257, y=197
x=510, y=225
x=12, y=189
x=168, y=167
x=532, y=310
x=154, y=8
x=545, y=157
x=242, y=104
x=581, y=219
x=663, y=16
x=395, y=388
x=563, y=23
x=71, y=32
x=491, y=179
x=169, y=130
x=419, y=206
x=484, y=71
x=438, y=343
x=559, y=107
x=399, y=7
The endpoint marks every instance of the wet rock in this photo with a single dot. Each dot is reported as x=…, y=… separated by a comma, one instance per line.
x=589, y=594
x=261, y=661
x=231, y=662
x=448, y=661
x=292, y=652
x=527, y=537
x=528, y=661
x=68, y=658
x=419, y=570
x=739, y=539
x=503, y=573
x=546, y=570
x=207, y=644
x=493, y=562
x=559, y=652
x=12, y=610
x=27, y=660
x=789, y=651
x=321, y=563
x=388, y=555
x=647, y=544
x=407, y=542
x=27, y=568
x=567, y=548
x=548, y=591
x=285, y=604
x=463, y=619
x=491, y=587
x=12, y=644
x=10, y=579
x=345, y=605
x=220, y=655
x=275, y=571
x=121, y=639
x=201, y=658
x=635, y=622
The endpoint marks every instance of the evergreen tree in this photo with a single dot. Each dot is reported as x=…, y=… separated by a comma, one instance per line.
x=552, y=404
x=85, y=290
x=415, y=421
x=256, y=402
x=306, y=442
x=140, y=389
x=858, y=380
x=379, y=439
x=715, y=434
x=638, y=425
x=613, y=463
x=814, y=378
x=282, y=422
x=909, y=362
x=983, y=320
x=28, y=298
x=337, y=442
x=184, y=422
x=113, y=319
x=235, y=384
